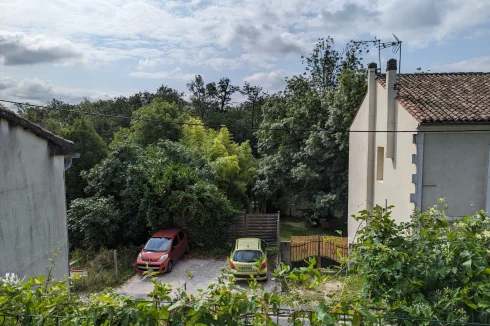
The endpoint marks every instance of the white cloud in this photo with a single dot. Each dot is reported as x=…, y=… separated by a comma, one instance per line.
x=272, y=81
x=173, y=74
x=475, y=64
x=38, y=91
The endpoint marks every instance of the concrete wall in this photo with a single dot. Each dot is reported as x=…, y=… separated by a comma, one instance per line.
x=32, y=204
x=456, y=168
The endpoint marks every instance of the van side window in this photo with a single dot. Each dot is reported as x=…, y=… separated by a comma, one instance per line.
x=181, y=235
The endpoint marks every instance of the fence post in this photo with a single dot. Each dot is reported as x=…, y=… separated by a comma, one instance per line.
x=319, y=256
x=115, y=262
x=278, y=237
x=245, y=226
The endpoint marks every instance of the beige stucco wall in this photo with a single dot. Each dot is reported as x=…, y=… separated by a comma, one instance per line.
x=396, y=187
x=32, y=204
x=358, y=169
x=455, y=168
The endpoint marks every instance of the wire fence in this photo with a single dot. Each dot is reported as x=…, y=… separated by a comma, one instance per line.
x=280, y=316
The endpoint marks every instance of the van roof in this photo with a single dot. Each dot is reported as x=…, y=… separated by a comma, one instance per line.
x=248, y=243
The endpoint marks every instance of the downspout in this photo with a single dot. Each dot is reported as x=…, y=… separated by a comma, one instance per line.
x=69, y=160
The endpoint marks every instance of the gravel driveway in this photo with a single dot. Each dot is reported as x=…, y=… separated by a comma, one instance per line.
x=204, y=271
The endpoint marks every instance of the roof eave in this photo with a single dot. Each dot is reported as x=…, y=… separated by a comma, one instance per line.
x=59, y=146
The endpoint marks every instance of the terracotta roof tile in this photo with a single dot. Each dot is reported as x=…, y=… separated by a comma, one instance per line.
x=444, y=97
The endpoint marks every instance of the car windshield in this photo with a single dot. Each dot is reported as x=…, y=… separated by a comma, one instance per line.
x=246, y=256
x=158, y=244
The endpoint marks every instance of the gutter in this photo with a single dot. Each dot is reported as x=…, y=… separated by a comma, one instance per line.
x=69, y=159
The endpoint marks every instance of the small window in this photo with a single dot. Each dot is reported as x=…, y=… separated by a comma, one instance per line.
x=181, y=235
x=414, y=139
x=175, y=243
x=380, y=163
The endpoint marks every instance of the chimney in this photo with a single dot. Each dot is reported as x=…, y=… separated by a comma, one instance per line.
x=372, y=87
x=391, y=104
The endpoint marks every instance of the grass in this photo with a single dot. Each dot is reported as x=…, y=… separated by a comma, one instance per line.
x=296, y=226
x=100, y=269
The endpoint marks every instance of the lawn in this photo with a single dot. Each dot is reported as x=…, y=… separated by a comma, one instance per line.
x=296, y=226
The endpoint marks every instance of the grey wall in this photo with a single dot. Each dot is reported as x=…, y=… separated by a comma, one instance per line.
x=32, y=204
x=456, y=168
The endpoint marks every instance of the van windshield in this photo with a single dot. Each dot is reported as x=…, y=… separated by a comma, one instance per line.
x=158, y=244
x=246, y=256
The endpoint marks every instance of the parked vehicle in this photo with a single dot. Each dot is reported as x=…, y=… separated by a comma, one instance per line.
x=244, y=257
x=163, y=250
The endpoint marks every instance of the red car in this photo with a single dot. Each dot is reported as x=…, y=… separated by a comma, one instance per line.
x=163, y=250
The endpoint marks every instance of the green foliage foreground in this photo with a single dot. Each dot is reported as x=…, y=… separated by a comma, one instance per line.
x=428, y=267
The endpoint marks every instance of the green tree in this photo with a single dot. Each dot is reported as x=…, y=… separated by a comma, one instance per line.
x=156, y=121
x=255, y=98
x=223, y=93
x=234, y=164
x=202, y=96
x=92, y=149
x=308, y=157
x=94, y=223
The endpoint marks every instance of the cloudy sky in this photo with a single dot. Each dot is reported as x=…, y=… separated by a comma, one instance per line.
x=71, y=49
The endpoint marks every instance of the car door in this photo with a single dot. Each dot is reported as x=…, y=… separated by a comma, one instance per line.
x=175, y=248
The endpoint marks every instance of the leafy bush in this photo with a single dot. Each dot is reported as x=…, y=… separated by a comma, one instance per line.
x=138, y=190
x=93, y=223
x=427, y=268
x=100, y=268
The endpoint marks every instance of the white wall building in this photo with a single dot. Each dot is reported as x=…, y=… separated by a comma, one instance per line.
x=431, y=140
x=32, y=197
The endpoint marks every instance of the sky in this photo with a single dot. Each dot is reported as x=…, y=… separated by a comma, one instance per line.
x=99, y=49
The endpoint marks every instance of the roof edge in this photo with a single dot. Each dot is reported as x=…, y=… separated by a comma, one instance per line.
x=62, y=146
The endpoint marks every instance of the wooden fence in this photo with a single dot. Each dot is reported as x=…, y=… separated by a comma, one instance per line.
x=304, y=247
x=264, y=226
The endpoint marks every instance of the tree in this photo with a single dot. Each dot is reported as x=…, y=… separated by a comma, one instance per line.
x=223, y=93
x=325, y=64
x=92, y=149
x=158, y=120
x=308, y=157
x=233, y=164
x=171, y=95
x=255, y=98
x=202, y=96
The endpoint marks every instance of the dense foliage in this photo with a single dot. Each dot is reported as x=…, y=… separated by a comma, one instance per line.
x=138, y=190
x=307, y=161
x=428, y=267
x=45, y=301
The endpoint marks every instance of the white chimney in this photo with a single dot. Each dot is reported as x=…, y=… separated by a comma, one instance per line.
x=391, y=114
x=372, y=86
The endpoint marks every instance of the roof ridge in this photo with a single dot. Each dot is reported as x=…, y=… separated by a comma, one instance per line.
x=440, y=73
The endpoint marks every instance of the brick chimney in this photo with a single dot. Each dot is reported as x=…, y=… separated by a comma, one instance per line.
x=391, y=67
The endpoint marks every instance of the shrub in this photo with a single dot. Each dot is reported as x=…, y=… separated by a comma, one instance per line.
x=427, y=268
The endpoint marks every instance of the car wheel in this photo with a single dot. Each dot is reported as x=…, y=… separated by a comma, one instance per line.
x=170, y=266
x=187, y=248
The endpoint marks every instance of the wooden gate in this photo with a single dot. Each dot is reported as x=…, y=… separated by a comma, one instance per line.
x=304, y=247
x=263, y=226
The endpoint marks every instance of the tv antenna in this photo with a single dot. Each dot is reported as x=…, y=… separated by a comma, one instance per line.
x=396, y=47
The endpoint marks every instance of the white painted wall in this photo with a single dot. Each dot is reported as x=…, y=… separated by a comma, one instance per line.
x=358, y=168
x=456, y=168
x=32, y=204
x=396, y=187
